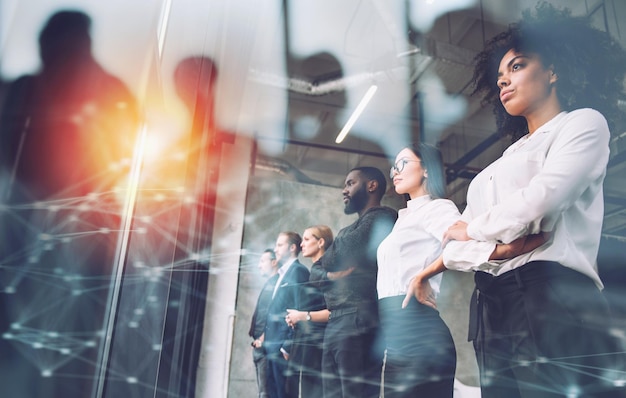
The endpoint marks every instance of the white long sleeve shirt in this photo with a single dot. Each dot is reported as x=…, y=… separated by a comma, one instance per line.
x=548, y=181
x=413, y=244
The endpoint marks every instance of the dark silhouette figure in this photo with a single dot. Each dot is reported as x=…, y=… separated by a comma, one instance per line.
x=179, y=226
x=66, y=137
x=62, y=127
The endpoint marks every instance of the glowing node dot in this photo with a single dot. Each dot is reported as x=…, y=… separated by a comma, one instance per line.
x=90, y=343
x=152, y=299
x=16, y=326
x=156, y=347
x=573, y=392
x=179, y=189
x=619, y=383
x=48, y=246
x=104, y=230
x=146, y=219
x=189, y=200
x=542, y=360
x=142, y=230
x=33, y=259
x=617, y=333
x=139, y=311
x=133, y=324
x=53, y=209
x=46, y=373
x=139, y=264
x=7, y=336
x=76, y=292
x=81, y=207
x=37, y=345
x=524, y=363
x=45, y=237
x=9, y=289
x=53, y=334
x=65, y=351
x=131, y=380
x=159, y=197
x=66, y=240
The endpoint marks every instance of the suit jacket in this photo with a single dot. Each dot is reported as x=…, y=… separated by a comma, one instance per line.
x=289, y=294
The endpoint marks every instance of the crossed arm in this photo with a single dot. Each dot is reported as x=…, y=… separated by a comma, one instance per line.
x=420, y=287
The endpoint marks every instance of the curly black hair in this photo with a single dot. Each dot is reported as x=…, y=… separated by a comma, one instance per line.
x=589, y=63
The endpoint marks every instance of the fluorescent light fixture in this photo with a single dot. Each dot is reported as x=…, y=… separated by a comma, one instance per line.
x=355, y=115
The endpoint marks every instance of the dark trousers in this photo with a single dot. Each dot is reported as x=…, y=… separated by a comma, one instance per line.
x=277, y=375
x=260, y=365
x=352, y=358
x=544, y=331
x=421, y=358
x=305, y=362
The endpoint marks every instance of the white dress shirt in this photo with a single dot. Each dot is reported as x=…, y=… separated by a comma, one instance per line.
x=548, y=181
x=413, y=244
x=281, y=274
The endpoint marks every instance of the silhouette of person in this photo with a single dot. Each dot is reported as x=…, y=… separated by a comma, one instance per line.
x=173, y=232
x=321, y=80
x=69, y=122
x=66, y=134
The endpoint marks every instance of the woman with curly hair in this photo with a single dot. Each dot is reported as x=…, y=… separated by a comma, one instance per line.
x=539, y=322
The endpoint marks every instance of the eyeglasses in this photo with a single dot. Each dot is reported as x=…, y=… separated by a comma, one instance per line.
x=399, y=166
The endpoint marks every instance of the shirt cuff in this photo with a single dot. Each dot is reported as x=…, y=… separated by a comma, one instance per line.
x=468, y=255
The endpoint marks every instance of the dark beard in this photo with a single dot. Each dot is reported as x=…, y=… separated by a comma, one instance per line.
x=356, y=202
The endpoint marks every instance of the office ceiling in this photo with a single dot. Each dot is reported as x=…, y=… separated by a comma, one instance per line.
x=446, y=52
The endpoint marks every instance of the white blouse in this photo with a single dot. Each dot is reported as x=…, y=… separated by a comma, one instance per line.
x=548, y=181
x=413, y=244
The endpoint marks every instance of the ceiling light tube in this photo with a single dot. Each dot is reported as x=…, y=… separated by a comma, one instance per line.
x=355, y=115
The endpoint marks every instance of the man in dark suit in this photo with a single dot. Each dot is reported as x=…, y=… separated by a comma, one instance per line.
x=292, y=276
x=269, y=268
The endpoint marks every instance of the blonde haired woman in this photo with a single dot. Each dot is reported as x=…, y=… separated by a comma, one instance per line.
x=309, y=322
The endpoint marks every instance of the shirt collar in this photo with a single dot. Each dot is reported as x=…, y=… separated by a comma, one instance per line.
x=418, y=202
x=550, y=124
x=282, y=270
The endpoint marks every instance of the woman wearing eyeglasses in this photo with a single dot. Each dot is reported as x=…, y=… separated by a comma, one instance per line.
x=311, y=319
x=421, y=358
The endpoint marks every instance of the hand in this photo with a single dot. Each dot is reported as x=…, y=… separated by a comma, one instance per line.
x=293, y=317
x=258, y=343
x=457, y=231
x=339, y=274
x=519, y=246
x=422, y=291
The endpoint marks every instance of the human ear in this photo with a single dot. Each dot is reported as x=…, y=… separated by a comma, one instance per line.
x=553, y=76
x=372, y=186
